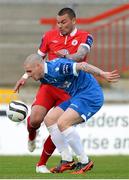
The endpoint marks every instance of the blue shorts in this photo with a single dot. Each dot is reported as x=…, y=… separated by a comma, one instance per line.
x=85, y=104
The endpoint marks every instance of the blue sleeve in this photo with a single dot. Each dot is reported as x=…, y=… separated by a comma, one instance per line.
x=66, y=68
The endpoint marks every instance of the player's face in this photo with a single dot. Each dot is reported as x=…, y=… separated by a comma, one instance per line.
x=65, y=24
x=34, y=71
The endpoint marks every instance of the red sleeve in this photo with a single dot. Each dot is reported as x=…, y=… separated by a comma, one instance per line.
x=87, y=41
x=43, y=48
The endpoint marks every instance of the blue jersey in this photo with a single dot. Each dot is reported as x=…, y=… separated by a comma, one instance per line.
x=62, y=73
x=86, y=94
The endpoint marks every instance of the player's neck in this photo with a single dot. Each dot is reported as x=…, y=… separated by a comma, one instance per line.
x=73, y=31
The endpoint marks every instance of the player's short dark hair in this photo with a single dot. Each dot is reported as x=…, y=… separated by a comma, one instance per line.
x=68, y=11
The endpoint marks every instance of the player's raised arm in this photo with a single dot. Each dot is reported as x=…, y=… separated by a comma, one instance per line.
x=112, y=76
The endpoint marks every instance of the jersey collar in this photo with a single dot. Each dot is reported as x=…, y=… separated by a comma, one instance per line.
x=72, y=33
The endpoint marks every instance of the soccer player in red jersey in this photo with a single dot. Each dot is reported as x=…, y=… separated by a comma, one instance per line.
x=65, y=41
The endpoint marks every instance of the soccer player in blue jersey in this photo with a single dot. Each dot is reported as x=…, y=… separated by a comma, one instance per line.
x=86, y=99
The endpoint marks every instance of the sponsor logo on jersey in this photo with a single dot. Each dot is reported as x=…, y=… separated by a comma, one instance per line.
x=55, y=41
x=65, y=68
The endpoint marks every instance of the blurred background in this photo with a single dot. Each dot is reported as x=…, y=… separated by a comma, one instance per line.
x=22, y=24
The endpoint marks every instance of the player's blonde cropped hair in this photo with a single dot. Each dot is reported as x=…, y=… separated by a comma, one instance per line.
x=33, y=59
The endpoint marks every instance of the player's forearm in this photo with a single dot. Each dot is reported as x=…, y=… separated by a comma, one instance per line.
x=90, y=69
x=79, y=55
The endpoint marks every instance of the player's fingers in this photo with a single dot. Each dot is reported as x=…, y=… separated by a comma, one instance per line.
x=15, y=89
x=56, y=52
x=59, y=54
x=115, y=76
x=112, y=79
x=115, y=71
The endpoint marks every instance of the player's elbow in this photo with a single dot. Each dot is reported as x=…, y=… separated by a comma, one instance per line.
x=81, y=57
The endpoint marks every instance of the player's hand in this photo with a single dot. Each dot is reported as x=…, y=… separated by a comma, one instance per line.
x=18, y=85
x=61, y=53
x=112, y=76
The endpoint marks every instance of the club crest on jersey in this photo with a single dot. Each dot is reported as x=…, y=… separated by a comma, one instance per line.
x=74, y=42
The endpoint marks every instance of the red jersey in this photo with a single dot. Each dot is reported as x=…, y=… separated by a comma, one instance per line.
x=49, y=96
x=53, y=41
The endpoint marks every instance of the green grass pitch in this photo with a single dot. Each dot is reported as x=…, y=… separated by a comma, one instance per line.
x=23, y=167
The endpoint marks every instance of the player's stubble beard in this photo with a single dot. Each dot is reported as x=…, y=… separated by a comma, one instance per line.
x=67, y=31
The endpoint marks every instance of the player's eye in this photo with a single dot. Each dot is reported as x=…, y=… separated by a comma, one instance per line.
x=62, y=22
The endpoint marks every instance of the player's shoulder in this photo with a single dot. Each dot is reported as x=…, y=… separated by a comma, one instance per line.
x=49, y=34
x=60, y=60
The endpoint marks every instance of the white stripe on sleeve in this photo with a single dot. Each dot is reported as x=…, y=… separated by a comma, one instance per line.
x=41, y=53
x=86, y=45
x=74, y=69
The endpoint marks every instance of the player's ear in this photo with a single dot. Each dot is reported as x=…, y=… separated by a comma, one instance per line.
x=74, y=21
x=38, y=64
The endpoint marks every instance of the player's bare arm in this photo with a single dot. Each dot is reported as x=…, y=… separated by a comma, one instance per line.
x=21, y=82
x=78, y=56
x=112, y=76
